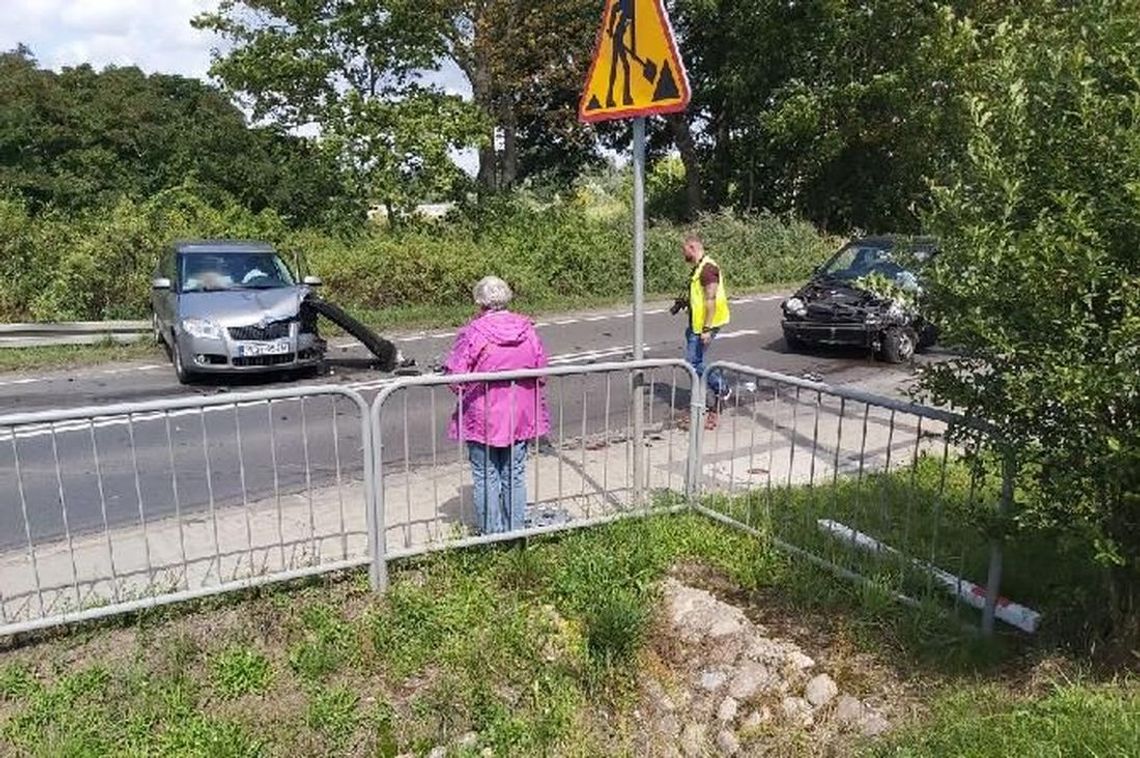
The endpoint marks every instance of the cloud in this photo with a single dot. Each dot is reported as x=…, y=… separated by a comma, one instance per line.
x=155, y=36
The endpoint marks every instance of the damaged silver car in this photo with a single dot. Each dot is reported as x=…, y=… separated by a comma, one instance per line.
x=866, y=295
x=225, y=306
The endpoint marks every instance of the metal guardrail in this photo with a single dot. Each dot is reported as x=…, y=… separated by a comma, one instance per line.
x=72, y=333
x=112, y=509
x=875, y=489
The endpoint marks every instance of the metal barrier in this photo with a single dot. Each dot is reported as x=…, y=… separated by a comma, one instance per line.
x=873, y=488
x=111, y=509
x=577, y=475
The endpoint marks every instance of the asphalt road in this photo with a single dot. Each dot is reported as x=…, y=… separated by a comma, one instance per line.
x=117, y=473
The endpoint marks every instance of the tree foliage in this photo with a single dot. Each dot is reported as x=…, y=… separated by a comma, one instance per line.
x=1039, y=282
x=84, y=138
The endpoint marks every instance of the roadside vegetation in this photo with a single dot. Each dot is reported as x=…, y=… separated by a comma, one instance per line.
x=523, y=650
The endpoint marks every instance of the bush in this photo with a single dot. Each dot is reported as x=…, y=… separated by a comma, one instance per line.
x=98, y=266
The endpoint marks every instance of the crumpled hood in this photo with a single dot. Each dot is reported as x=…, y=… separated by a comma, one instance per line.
x=502, y=328
x=243, y=307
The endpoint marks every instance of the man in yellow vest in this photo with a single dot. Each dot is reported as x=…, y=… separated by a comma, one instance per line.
x=708, y=313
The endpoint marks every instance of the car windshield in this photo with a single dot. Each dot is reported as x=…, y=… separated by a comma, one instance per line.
x=856, y=261
x=214, y=272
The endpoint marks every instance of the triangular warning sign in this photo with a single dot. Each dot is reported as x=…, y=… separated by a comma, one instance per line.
x=636, y=70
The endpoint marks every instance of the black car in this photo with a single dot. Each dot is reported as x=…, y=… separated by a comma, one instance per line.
x=866, y=295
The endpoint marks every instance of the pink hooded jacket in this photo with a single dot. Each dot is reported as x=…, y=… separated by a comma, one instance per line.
x=501, y=413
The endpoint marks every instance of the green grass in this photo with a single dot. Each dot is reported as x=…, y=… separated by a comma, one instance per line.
x=73, y=356
x=533, y=648
x=1072, y=719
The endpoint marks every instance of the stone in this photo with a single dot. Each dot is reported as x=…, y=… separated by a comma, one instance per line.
x=669, y=726
x=693, y=739
x=728, y=709
x=848, y=710
x=751, y=679
x=797, y=710
x=727, y=624
x=727, y=742
x=821, y=690
x=799, y=662
x=756, y=719
x=439, y=751
x=873, y=724
x=712, y=680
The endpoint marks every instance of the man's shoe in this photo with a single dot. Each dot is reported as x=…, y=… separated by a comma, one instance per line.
x=711, y=420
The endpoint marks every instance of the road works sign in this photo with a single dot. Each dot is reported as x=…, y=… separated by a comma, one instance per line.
x=636, y=69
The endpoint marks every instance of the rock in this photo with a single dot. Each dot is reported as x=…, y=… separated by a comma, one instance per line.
x=728, y=625
x=728, y=709
x=712, y=680
x=756, y=719
x=669, y=726
x=750, y=679
x=873, y=724
x=797, y=710
x=821, y=690
x=848, y=710
x=799, y=662
x=727, y=742
x=439, y=751
x=693, y=739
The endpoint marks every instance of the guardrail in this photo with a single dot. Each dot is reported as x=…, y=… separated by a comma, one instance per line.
x=72, y=333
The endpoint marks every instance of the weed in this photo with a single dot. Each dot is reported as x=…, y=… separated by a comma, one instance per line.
x=615, y=630
x=201, y=737
x=327, y=644
x=334, y=714
x=238, y=671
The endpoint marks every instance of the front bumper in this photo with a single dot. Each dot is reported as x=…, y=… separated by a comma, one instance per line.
x=227, y=355
x=826, y=333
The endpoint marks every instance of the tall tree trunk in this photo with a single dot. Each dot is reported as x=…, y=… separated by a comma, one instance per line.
x=481, y=94
x=510, y=162
x=683, y=137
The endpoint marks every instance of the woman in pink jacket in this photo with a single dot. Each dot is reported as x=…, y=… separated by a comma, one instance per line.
x=496, y=420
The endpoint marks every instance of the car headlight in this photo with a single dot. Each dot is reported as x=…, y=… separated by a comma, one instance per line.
x=795, y=306
x=202, y=328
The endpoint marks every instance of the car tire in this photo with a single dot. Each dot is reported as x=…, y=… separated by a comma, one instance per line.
x=184, y=375
x=898, y=345
x=793, y=343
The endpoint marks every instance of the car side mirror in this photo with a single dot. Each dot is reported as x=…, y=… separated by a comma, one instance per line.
x=160, y=283
x=312, y=281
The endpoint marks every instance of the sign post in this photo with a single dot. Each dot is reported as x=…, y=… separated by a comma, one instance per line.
x=636, y=72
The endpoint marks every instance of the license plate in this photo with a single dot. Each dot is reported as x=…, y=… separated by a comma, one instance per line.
x=253, y=349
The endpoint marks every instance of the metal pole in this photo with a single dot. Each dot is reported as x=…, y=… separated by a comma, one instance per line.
x=993, y=579
x=638, y=303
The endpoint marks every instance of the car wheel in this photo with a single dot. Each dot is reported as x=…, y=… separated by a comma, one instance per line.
x=898, y=345
x=185, y=375
x=793, y=343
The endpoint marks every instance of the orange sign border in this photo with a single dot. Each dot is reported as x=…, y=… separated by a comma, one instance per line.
x=636, y=111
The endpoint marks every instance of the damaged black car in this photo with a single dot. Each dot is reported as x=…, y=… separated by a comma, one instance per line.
x=866, y=295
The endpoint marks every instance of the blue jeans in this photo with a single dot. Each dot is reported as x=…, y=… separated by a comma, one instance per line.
x=695, y=355
x=499, y=478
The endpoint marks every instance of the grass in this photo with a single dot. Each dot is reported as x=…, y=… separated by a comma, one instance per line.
x=535, y=650
x=1070, y=719
x=74, y=356
x=384, y=320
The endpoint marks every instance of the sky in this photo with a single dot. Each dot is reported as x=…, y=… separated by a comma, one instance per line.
x=154, y=35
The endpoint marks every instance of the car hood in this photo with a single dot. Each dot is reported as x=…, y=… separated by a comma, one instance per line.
x=834, y=300
x=243, y=307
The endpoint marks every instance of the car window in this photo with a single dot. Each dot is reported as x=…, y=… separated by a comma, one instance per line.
x=855, y=261
x=212, y=272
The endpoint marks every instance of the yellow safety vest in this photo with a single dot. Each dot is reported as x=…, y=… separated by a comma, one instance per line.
x=697, y=299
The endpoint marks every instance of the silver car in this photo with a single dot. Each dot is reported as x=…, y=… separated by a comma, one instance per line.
x=226, y=306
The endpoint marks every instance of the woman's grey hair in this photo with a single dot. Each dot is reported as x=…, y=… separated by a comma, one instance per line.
x=492, y=293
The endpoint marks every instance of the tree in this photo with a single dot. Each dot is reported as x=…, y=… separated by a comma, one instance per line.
x=1039, y=281
x=352, y=68
x=834, y=111
x=85, y=138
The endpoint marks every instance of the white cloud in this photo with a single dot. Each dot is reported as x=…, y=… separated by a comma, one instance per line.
x=154, y=35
